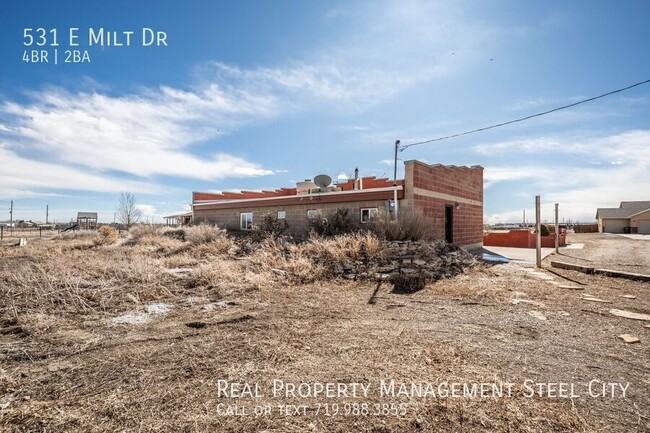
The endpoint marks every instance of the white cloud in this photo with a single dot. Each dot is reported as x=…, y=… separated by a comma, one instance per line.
x=143, y=135
x=495, y=174
x=622, y=172
x=22, y=177
x=147, y=210
x=626, y=147
x=524, y=145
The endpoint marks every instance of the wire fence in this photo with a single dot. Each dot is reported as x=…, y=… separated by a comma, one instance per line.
x=7, y=232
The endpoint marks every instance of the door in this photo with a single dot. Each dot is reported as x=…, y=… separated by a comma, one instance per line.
x=644, y=227
x=449, y=224
x=615, y=225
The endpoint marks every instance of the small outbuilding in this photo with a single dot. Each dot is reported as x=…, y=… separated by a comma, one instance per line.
x=629, y=217
x=87, y=220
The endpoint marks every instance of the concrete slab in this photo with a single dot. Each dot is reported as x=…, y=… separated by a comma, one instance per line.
x=637, y=237
x=527, y=255
x=489, y=256
x=573, y=246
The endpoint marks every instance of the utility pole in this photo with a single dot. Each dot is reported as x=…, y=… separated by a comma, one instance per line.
x=538, y=226
x=11, y=216
x=524, y=218
x=47, y=214
x=557, y=229
x=395, y=180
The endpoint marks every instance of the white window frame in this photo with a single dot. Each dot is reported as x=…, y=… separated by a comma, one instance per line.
x=313, y=213
x=373, y=213
x=245, y=224
x=282, y=214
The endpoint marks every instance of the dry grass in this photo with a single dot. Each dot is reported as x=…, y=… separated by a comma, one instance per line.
x=145, y=230
x=79, y=279
x=409, y=226
x=201, y=241
x=68, y=368
x=77, y=234
x=106, y=235
x=354, y=246
x=205, y=234
x=315, y=259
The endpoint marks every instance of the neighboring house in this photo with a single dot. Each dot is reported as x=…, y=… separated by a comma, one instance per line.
x=87, y=220
x=450, y=197
x=629, y=217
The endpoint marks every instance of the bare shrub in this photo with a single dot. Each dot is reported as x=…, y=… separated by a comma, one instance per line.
x=292, y=260
x=229, y=276
x=77, y=234
x=336, y=223
x=203, y=233
x=142, y=230
x=344, y=247
x=106, y=235
x=147, y=237
x=173, y=232
x=410, y=226
x=209, y=240
x=316, y=259
x=271, y=226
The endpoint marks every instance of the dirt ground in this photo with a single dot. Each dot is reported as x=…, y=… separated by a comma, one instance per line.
x=156, y=362
x=610, y=251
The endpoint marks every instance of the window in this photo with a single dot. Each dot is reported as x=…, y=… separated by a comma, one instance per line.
x=368, y=214
x=282, y=214
x=246, y=220
x=312, y=213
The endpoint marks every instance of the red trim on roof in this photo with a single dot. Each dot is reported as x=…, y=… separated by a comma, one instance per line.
x=200, y=196
x=369, y=183
x=312, y=199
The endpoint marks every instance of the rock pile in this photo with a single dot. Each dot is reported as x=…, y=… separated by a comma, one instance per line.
x=409, y=265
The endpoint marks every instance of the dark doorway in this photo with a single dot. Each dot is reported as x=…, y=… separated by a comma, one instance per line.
x=449, y=224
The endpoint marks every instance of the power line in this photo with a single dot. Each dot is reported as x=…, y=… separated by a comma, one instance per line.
x=405, y=146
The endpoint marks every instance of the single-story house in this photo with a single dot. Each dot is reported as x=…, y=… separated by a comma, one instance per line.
x=629, y=217
x=450, y=197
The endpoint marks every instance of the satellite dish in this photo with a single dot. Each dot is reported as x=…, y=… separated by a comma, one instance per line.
x=323, y=180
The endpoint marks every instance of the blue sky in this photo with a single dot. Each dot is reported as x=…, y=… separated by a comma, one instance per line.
x=260, y=94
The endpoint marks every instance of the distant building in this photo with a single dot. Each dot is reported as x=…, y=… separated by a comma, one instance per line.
x=629, y=217
x=87, y=220
x=180, y=219
x=450, y=197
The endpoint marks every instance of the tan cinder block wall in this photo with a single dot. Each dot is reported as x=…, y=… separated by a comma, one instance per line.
x=428, y=188
x=296, y=215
